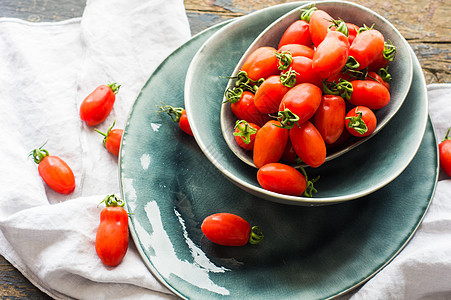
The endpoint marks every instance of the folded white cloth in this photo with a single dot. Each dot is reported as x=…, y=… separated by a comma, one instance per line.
x=47, y=70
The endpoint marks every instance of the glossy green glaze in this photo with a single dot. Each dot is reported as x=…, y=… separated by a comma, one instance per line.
x=354, y=174
x=308, y=252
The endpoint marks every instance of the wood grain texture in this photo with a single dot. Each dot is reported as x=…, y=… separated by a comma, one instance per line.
x=425, y=25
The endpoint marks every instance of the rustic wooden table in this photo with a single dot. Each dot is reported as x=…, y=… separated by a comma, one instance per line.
x=425, y=25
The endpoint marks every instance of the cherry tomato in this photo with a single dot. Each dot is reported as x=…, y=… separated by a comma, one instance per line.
x=374, y=76
x=319, y=26
x=230, y=230
x=330, y=118
x=269, y=94
x=360, y=121
x=302, y=100
x=308, y=144
x=243, y=107
x=55, y=172
x=270, y=143
x=282, y=179
x=112, y=140
x=112, y=234
x=304, y=72
x=369, y=93
x=331, y=55
x=297, y=33
x=445, y=154
x=288, y=154
x=297, y=50
x=261, y=63
x=352, y=32
x=367, y=46
x=245, y=134
x=96, y=107
x=178, y=115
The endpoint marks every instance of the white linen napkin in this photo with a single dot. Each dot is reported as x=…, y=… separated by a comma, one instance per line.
x=47, y=70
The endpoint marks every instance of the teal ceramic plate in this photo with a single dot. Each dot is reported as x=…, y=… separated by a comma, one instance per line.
x=308, y=252
x=352, y=175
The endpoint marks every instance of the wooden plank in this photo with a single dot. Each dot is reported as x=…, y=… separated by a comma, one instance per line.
x=13, y=285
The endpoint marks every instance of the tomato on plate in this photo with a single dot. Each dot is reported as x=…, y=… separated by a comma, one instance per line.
x=367, y=46
x=308, y=144
x=112, y=234
x=96, y=107
x=297, y=33
x=178, y=115
x=243, y=107
x=281, y=178
x=55, y=172
x=112, y=139
x=445, y=154
x=270, y=143
x=331, y=55
x=261, y=63
x=360, y=121
x=302, y=100
x=330, y=118
x=297, y=50
x=245, y=134
x=228, y=229
x=269, y=95
x=369, y=93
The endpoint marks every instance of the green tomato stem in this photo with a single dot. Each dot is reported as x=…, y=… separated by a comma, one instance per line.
x=287, y=119
x=288, y=79
x=39, y=154
x=114, y=87
x=107, y=133
x=307, y=13
x=256, y=235
x=389, y=52
x=309, y=189
x=447, y=135
x=245, y=131
x=174, y=112
x=357, y=123
x=285, y=58
x=383, y=73
x=233, y=95
x=112, y=200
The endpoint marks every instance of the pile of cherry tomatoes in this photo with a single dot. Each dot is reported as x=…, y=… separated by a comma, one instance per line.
x=320, y=87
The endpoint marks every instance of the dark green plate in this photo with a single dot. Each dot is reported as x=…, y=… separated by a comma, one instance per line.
x=308, y=252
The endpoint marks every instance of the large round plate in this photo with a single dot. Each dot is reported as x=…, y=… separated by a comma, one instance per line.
x=354, y=174
x=308, y=252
